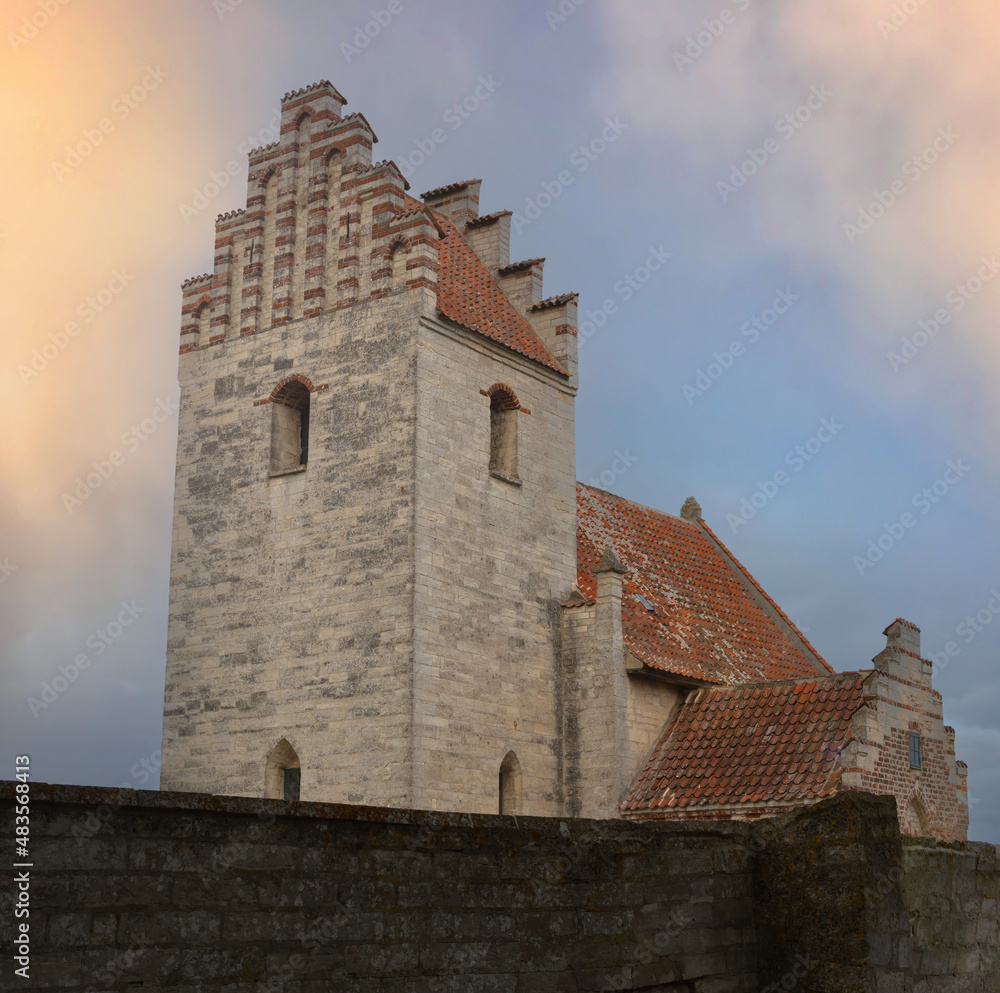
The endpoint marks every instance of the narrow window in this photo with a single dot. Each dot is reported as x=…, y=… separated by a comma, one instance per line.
x=290, y=428
x=503, y=434
x=397, y=268
x=293, y=779
x=915, y=750
x=509, y=792
x=204, y=318
x=282, y=774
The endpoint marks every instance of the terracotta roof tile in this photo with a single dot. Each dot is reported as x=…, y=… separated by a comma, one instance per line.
x=519, y=266
x=703, y=624
x=469, y=295
x=449, y=188
x=554, y=301
x=752, y=744
x=485, y=219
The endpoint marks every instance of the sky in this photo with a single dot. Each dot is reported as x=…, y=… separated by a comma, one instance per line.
x=783, y=219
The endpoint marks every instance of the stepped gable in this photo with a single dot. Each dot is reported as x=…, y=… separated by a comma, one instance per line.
x=764, y=743
x=320, y=262
x=704, y=622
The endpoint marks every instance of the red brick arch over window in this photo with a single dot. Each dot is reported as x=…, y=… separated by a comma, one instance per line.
x=265, y=175
x=295, y=377
x=507, y=400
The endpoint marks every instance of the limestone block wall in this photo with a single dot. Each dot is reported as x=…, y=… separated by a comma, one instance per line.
x=828, y=900
x=291, y=596
x=651, y=704
x=595, y=694
x=952, y=896
x=178, y=892
x=187, y=892
x=494, y=559
x=841, y=892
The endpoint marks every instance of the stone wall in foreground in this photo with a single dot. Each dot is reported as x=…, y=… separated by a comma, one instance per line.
x=952, y=895
x=174, y=891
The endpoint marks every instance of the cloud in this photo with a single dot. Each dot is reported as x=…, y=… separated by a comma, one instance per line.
x=894, y=92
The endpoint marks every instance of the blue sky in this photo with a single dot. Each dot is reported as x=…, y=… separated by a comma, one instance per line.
x=837, y=161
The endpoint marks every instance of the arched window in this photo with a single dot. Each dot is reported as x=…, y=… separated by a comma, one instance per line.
x=509, y=799
x=397, y=268
x=503, y=433
x=915, y=818
x=204, y=318
x=282, y=774
x=290, y=428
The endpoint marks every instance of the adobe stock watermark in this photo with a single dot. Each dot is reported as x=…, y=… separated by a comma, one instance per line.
x=623, y=461
x=220, y=180
x=366, y=33
x=900, y=16
x=914, y=169
x=625, y=288
x=723, y=361
x=581, y=160
x=559, y=15
x=121, y=108
x=787, y=127
x=712, y=30
x=455, y=116
x=35, y=22
x=796, y=459
x=88, y=311
x=223, y=8
x=957, y=299
x=7, y=569
x=924, y=500
x=967, y=631
x=98, y=643
x=103, y=469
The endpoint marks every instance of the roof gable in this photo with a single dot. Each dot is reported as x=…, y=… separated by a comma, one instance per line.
x=684, y=609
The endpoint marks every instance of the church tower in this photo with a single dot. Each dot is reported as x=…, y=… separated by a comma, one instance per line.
x=375, y=498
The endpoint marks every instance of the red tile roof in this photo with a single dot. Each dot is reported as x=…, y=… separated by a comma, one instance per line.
x=469, y=295
x=704, y=623
x=759, y=743
x=554, y=301
x=449, y=188
x=485, y=219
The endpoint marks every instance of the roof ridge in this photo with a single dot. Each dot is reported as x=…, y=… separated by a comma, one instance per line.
x=635, y=503
x=488, y=218
x=262, y=148
x=517, y=266
x=553, y=301
x=314, y=86
x=448, y=188
x=854, y=675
